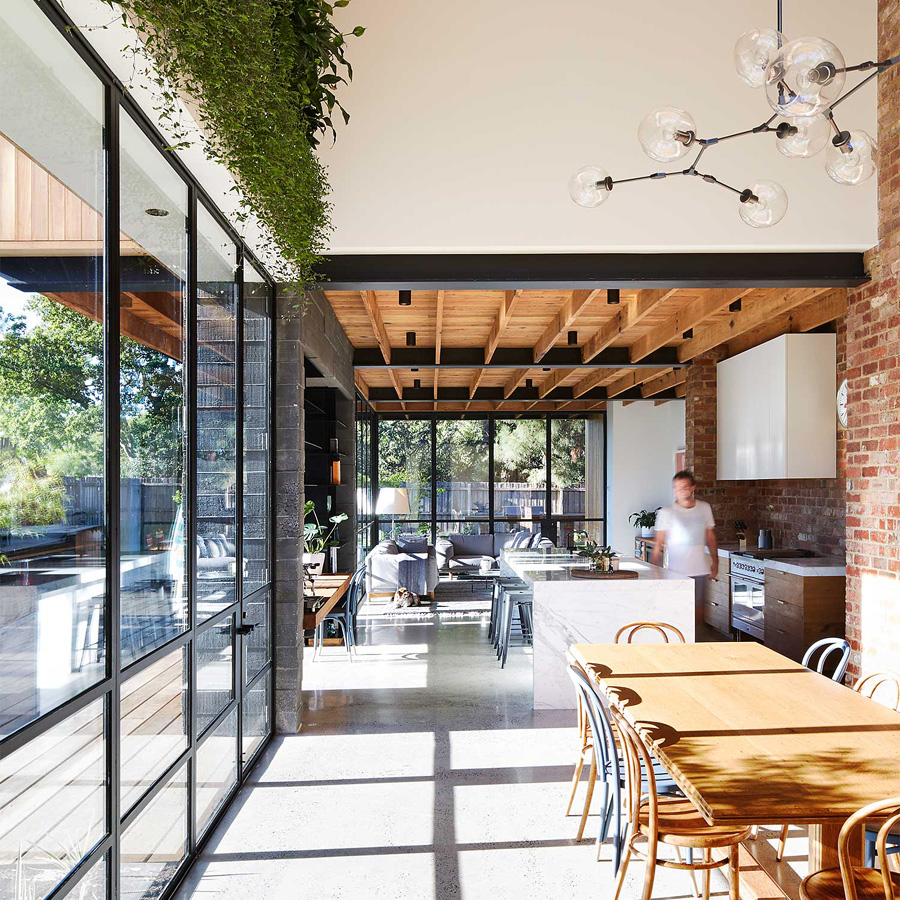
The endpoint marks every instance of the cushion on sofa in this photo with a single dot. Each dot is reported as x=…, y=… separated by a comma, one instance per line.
x=512, y=540
x=472, y=544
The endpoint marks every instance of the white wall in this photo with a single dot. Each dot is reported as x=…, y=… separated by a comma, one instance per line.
x=642, y=440
x=468, y=118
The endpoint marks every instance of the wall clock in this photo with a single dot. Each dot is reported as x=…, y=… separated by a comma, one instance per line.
x=842, y=404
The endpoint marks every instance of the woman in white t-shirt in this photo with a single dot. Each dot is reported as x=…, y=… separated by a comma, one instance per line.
x=687, y=530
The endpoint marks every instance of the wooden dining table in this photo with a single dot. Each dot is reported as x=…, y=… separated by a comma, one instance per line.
x=751, y=737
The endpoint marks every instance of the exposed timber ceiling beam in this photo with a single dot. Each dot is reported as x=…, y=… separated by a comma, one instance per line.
x=508, y=304
x=509, y=358
x=814, y=314
x=554, y=271
x=567, y=314
x=552, y=381
x=631, y=379
x=515, y=381
x=752, y=315
x=629, y=314
x=707, y=304
x=663, y=382
x=495, y=395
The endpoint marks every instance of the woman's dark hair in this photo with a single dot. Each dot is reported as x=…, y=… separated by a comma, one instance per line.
x=685, y=475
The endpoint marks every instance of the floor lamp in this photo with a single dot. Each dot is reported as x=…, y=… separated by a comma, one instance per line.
x=392, y=501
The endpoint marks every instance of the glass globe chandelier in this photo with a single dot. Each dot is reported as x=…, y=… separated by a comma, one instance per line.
x=804, y=81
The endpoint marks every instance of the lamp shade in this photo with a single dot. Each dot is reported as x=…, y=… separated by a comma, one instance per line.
x=392, y=501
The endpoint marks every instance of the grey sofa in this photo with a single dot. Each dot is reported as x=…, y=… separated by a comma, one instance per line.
x=383, y=568
x=464, y=552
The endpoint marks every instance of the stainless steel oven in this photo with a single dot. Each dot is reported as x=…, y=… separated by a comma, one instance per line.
x=748, y=595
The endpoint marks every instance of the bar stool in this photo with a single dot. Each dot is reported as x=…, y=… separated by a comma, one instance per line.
x=496, y=602
x=520, y=602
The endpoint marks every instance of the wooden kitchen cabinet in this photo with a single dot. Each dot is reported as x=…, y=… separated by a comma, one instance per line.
x=717, y=602
x=801, y=610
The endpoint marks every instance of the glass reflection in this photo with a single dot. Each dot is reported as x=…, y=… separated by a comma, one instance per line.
x=216, y=769
x=53, y=797
x=155, y=843
x=154, y=723
x=215, y=669
x=462, y=469
x=216, y=417
x=52, y=513
x=151, y=387
x=257, y=341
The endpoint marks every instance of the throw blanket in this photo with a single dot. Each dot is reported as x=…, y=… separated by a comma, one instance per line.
x=413, y=563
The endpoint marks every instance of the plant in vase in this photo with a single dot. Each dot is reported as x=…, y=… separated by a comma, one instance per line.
x=645, y=520
x=318, y=537
x=602, y=559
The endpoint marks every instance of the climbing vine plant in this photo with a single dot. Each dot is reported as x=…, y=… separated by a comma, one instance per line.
x=261, y=77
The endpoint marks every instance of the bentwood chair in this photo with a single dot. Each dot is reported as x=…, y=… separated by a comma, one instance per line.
x=871, y=687
x=824, y=648
x=659, y=627
x=849, y=882
x=343, y=616
x=584, y=691
x=673, y=821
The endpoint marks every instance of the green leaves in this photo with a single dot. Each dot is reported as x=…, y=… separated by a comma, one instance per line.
x=262, y=74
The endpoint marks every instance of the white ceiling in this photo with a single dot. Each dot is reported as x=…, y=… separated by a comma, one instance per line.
x=469, y=117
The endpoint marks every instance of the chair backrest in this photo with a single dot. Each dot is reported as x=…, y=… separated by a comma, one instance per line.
x=879, y=809
x=356, y=589
x=870, y=685
x=825, y=648
x=659, y=627
x=601, y=726
x=640, y=778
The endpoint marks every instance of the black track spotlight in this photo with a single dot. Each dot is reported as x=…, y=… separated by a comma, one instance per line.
x=406, y=298
x=573, y=338
x=417, y=382
x=545, y=369
x=688, y=334
x=529, y=383
x=612, y=296
x=410, y=339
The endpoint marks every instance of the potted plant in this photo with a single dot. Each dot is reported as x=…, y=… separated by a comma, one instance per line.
x=603, y=558
x=645, y=520
x=318, y=537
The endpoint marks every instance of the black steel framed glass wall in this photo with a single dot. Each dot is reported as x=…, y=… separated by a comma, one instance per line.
x=492, y=473
x=366, y=435
x=135, y=486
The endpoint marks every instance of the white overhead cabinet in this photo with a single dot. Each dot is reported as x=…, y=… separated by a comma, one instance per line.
x=776, y=410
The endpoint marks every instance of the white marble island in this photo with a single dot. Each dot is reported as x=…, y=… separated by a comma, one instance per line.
x=570, y=610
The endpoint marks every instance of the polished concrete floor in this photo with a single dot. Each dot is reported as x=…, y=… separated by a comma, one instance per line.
x=422, y=772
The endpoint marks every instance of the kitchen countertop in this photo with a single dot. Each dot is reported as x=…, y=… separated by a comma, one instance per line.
x=829, y=566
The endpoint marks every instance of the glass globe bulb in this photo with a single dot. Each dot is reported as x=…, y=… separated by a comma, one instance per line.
x=804, y=77
x=666, y=134
x=753, y=51
x=855, y=166
x=766, y=207
x=590, y=186
x=800, y=138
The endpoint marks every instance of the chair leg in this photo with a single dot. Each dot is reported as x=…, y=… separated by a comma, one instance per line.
x=592, y=777
x=735, y=873
x=622, y=870
x=707, y=857
x=507, y=629
x=575, y=779
x=649, y=874
x=316, y=634
x=782, y=840
x=694, y=891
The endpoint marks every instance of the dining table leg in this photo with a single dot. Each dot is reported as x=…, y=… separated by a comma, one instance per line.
x=823, y=842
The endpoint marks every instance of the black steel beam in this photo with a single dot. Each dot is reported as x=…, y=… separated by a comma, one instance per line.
x=495, y=395
x=510, y=358
x=491, y=271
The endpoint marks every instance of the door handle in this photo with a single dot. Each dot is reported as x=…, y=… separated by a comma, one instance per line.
x=246, y=629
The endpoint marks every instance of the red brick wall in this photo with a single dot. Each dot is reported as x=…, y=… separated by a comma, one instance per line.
x=806, y=513
x=873, y=373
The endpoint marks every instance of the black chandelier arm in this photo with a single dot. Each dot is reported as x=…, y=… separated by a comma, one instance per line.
x=757, y=129
x=865, y=81
x=711, y=179
x=655, y=176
